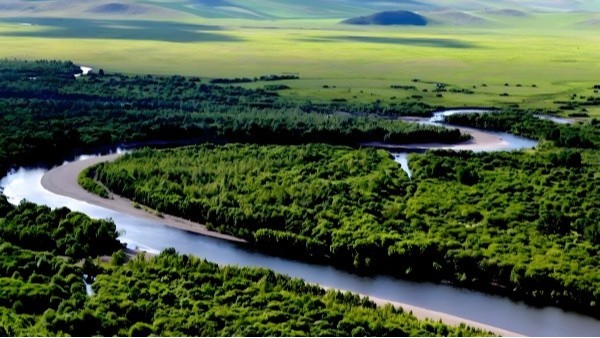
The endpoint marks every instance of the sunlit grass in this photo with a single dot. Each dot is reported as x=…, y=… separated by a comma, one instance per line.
x=361, y=62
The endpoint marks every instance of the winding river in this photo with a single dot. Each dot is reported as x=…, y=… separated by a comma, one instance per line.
x=152, y=235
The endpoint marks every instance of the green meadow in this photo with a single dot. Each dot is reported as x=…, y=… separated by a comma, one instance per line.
x=529, y=59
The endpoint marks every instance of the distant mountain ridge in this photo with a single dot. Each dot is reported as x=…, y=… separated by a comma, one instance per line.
x=497, y=10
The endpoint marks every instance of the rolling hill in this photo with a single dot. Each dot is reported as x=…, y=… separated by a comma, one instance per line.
x=389, y=18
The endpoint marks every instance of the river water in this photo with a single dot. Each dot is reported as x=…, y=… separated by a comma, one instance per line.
x=152, y=236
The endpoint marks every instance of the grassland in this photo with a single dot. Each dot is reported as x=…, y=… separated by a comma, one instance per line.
x=356, y=63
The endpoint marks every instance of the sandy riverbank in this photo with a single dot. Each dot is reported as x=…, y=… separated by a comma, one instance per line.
x=62, y=180
x=422, y=313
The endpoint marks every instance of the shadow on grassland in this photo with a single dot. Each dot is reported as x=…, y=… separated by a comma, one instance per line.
x=117, y=29
x=427, y=42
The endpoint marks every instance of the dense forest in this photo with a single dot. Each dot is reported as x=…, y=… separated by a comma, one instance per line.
x=524, y=224
x=42, y=290
x=47, y=114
